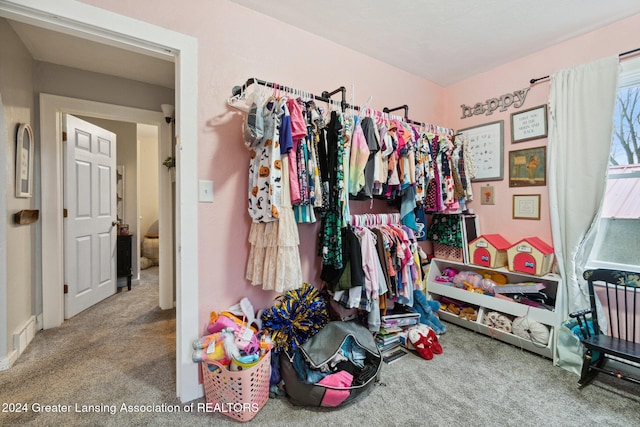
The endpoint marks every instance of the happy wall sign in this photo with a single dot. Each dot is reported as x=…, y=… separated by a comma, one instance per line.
x=515, y=99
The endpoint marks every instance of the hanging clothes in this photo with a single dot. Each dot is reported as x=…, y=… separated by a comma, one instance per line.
x=330, y=239
x=274, y=258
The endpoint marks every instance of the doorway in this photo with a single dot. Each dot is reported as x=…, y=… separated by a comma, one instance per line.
x=88, y=22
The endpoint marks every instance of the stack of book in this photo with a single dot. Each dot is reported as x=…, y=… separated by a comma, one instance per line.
x=392, y=336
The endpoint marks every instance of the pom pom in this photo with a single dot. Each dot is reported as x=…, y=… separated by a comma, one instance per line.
x=295, y=317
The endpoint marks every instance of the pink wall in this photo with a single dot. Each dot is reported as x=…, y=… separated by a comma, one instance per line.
x=616, y=38
x=236, y=43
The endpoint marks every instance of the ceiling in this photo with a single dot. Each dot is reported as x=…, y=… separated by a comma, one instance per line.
x=442, y=41
x=446, y=41
x=63, y=49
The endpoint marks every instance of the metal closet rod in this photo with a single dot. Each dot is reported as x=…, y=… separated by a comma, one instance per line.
x=629, y=52
x=404, y=107
x=325, y=97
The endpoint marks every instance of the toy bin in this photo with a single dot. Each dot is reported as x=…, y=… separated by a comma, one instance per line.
x=237, y=394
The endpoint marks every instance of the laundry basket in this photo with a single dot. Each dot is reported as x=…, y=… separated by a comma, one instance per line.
x=237, y=394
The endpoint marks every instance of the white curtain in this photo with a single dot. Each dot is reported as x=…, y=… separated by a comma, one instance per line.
x=581, y=105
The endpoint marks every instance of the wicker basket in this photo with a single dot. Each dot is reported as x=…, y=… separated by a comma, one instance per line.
x=237, y=394
x=448, y=252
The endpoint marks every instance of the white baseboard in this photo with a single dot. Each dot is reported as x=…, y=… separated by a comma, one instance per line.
x=24, y=335
x=8, y=361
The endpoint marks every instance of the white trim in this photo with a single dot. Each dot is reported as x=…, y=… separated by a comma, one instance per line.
x=7, y=362
x=51, y=109
x=4, y=324
x=24, y=335
x=594, y=264
x=96, y=24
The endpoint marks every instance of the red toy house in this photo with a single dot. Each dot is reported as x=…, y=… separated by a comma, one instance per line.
x=489, y=250
x=531, y=256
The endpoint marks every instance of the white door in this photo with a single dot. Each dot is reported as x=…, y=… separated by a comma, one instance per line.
x=89, y=226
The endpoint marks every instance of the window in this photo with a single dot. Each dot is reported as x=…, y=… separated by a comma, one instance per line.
x=617, y=243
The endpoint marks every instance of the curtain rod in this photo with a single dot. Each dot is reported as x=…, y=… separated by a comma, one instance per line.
x=629, y=52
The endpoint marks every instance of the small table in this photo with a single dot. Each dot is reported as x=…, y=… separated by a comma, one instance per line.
x=124, y=257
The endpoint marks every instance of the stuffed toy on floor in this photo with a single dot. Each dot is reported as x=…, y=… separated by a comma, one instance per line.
x=427, y=310
x=425, y=341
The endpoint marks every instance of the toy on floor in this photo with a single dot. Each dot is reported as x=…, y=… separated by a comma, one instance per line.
x=425, y=341
x=427, y=310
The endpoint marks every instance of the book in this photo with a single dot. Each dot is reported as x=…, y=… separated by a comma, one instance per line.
x=394, y=355
x=384, y=348
x=407, y=321
x=399, y=316
x=388, y=339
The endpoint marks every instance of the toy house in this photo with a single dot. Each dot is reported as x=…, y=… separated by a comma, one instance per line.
x=489, y=250
x=531, y=256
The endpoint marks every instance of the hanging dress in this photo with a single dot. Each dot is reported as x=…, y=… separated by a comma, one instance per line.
x=265, y=201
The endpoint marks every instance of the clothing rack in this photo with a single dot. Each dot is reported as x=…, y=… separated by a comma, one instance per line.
x=326, y=97
x=404, y=107
x=368, y=220
x=629, y=52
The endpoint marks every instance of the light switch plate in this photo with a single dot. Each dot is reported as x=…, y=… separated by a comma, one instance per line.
x=206, y=191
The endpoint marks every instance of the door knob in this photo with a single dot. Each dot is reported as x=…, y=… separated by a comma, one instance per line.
x=114, y=223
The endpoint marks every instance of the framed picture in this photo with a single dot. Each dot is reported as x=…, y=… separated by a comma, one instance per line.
x=527, y=168
x=486, y=142
x=526, y=206
x=24, y=161
x=529, y=124
x=487, y=195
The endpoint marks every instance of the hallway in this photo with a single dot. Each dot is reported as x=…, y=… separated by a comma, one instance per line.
x=119, y=351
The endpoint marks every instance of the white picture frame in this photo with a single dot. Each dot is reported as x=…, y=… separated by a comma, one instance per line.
x=24, y=161
x=486, y=143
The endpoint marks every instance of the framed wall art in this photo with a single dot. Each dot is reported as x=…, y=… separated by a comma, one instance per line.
x=24, y=161
x=526, y=206
x=529, y=124
x=487, y=195
x=527, y=168
x=486, y=145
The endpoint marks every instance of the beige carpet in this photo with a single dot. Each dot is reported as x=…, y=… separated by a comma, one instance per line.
x=122, y=351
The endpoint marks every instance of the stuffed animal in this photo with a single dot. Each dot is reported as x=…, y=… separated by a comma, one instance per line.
x=427, y=310
x=469, y=314
x=245, y=336
x=210, y=348
x=474, y=282
x=425, y=341
x=466, y=279
x=498, y=278
x=447, y=275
